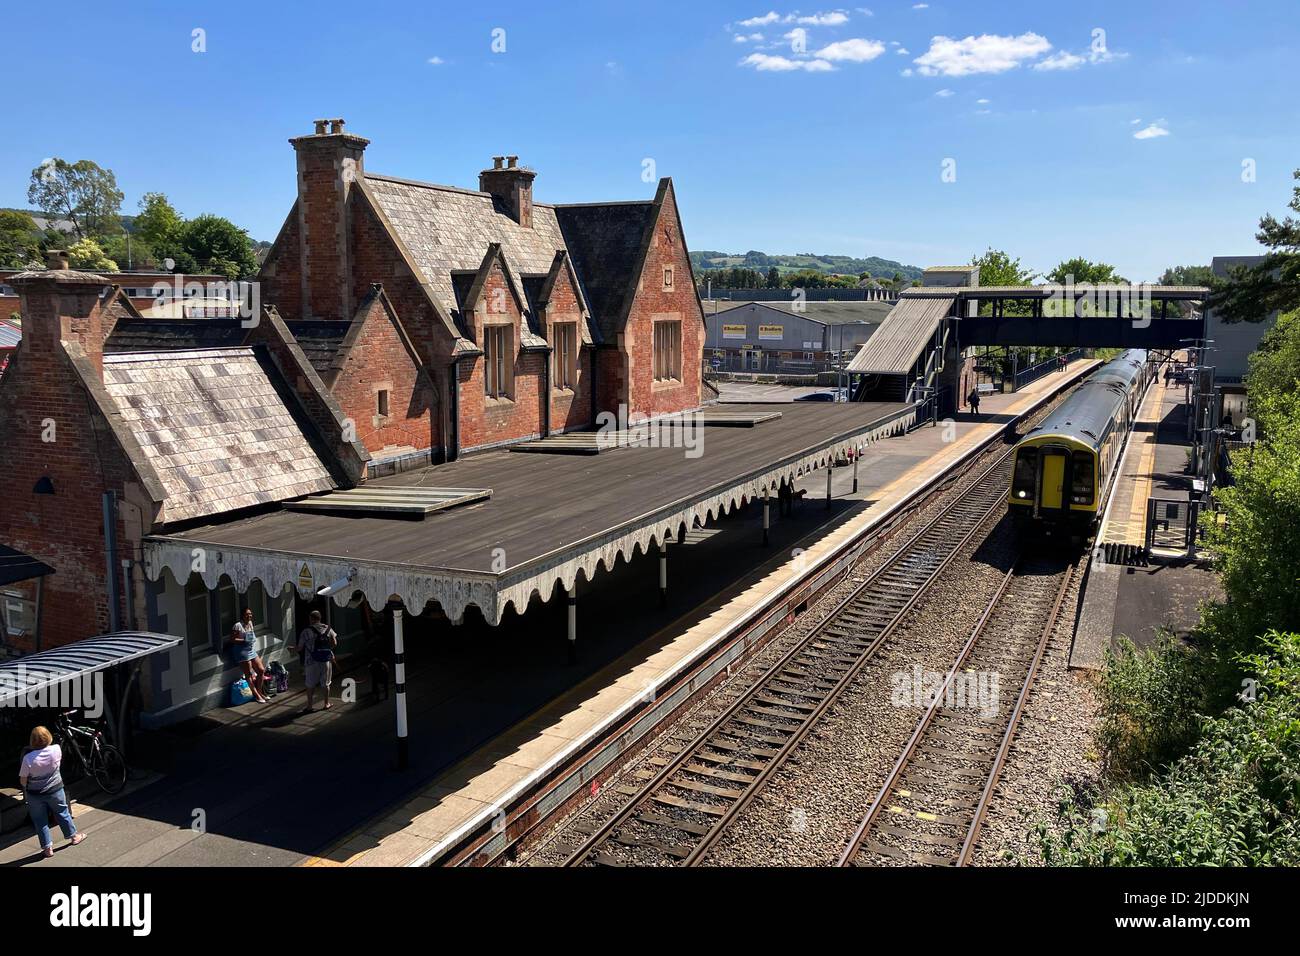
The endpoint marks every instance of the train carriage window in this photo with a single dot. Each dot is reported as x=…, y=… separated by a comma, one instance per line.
x=1081, y=478
x=1025, y=478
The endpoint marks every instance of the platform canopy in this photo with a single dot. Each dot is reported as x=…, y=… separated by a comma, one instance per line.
x=36, y=673
x=550, y=517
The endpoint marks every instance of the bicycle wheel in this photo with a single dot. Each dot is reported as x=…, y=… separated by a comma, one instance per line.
x=109, y=768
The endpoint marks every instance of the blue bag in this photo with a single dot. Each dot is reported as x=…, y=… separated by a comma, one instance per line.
x=240, y=693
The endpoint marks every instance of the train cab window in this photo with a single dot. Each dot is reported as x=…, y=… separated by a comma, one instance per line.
x=1081, y=474
x=1024, y=479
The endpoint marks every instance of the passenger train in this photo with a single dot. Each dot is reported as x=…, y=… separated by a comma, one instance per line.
x=1061, y=477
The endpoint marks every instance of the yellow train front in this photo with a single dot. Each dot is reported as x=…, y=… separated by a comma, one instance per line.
x=1064, y=467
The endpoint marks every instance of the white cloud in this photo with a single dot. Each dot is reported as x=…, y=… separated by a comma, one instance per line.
x=920, y=6
x=747, y=38
x=893, y=43
x=987, y=53
x=865, y=11
x=436, y=60
x=907, y=72
x=1060, y=60
x=944, y=93
x=781, y=64
x=1153, y=131
x=856, y=50
x=798, y=38
x=770, y=17
x=1134, y=122
x=835, y=18
x=903, y=51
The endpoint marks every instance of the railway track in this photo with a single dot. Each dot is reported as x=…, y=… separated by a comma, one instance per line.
x=677, y=814
x=933, y=802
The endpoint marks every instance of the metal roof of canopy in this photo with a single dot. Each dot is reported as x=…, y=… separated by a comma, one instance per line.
x=36, y=672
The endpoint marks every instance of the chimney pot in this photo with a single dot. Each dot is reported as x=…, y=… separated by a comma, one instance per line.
x=336, y=125
x=56, y=260
x=320, y=127
x=512, y=161
x=498, y=162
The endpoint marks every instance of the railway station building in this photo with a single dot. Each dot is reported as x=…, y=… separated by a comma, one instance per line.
x=404, y=428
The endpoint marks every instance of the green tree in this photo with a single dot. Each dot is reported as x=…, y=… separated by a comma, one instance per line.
x=86, y=254
x=998, y=268
x=217, y=244
x=158, y=223
x=1082, y=270
x=83, y=193
x=774, y=278
x=131, y=249
x=1251, y=295
x=1275, y=364
x=1187, y=275
x=20, y=240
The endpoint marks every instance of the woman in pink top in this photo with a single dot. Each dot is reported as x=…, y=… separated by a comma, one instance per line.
x=42, y=784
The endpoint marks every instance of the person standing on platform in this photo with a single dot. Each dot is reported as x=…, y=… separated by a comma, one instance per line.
x=316, y=643
x=974, y=399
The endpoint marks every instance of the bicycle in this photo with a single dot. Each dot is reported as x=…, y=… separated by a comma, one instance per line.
x=86, y=752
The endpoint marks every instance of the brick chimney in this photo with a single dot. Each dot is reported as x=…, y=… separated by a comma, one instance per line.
x=60, y=305
x=328, y=165
x=512, y=186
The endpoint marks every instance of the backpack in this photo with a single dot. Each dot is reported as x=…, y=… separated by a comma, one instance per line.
x=321, y=651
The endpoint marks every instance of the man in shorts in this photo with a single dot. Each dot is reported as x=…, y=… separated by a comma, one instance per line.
x=316, y=644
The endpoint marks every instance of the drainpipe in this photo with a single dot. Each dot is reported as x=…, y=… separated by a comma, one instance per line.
x=110, y=562
x=129, y=589
x=453, y=451
x=594, y=382
x=546, y=394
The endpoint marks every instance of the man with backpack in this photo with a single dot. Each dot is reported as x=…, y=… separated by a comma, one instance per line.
x=316, y=645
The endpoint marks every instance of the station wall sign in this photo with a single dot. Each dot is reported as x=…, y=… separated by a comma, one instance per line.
x=733, y=331
x=771, y=332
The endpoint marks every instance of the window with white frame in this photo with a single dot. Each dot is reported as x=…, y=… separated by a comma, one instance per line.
x=566, y=354
x=668, y=350
x=498, y=360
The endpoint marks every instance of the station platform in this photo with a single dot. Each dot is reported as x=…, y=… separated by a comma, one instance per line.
x=608, y=712
x=1134, y=587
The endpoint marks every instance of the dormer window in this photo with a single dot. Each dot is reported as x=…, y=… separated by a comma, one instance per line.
x=498, y=360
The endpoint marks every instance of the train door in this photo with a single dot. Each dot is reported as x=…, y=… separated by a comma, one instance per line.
x=1052, y=479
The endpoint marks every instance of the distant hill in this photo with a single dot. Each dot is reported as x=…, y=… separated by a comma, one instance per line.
x=836, y=265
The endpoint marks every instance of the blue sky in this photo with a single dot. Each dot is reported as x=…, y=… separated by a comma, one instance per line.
x=828, y=148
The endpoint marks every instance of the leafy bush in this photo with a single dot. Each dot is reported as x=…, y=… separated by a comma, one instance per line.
x=1151, y=700
x=1233, y=800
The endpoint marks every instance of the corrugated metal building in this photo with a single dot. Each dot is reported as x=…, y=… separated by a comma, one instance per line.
x=787, y=336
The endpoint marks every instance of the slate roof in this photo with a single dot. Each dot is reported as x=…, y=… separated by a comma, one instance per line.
x=153, y=335
x=215, y=429
x=319, y=340
x=447, y=229
x=605, y=241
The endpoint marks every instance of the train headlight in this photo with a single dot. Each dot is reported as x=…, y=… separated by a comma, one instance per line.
x=1022, y=494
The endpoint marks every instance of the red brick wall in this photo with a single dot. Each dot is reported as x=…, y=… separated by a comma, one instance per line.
x=281, y=273
x=645, y=396
x=42, y=396
x=485, y=421
x=379, y=359
x=570, y=408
